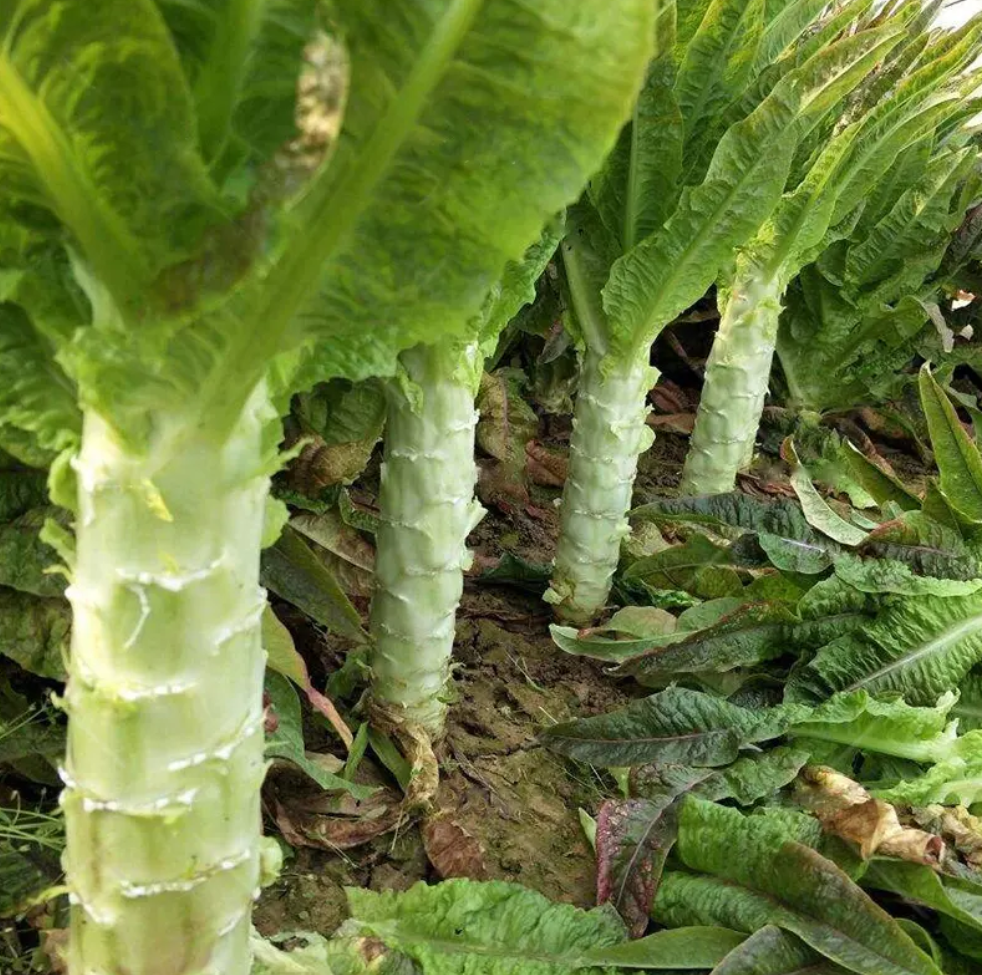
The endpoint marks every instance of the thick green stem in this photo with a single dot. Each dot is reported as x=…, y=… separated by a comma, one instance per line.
x=737, y=376
x=609, y=434
x=165, y=741
x=427, y=511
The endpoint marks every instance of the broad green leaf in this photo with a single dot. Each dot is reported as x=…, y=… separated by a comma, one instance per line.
x=698, y=566
x=673, y=268
x=24, y=874
x=490, y=928
x=674, y=726
x=455, y=152
x=922, y=887
x=957, y=457
x=882, y=485
x=516, y=287
x=287, y=740
x=919, y=646
x=754, y=634
x=681, y=949
x=750, y=778
x=968, y=708
x=795, y=888
x=637, y=187
x=36, y=397
x=120, y=166
x=885, y=727
x=25, y=559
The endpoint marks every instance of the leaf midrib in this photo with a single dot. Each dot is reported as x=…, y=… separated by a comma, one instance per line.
x=941, y=643
x=332, y=211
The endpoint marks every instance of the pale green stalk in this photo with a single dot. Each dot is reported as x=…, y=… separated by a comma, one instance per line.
x=427, y=511
x=737, y=376
x=609, y=435
x=165, y=740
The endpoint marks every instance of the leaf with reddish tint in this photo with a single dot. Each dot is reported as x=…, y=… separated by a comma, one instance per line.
x=451, y=849
x=634, y=838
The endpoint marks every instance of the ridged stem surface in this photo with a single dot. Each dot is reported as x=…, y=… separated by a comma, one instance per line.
x=427, y=510
x=165, y=739
x=732, y=401
x=609, y=434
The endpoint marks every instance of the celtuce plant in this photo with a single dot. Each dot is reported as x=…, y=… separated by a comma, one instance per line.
x=909, y=212
x=728, y=103
x=165, y=290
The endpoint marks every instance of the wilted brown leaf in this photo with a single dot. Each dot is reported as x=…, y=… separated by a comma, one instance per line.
x=848, y=811
x=331, y=821
x=545, y=466
x=451, y=849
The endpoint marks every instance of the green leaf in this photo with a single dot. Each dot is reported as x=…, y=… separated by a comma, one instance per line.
x=698, y=567
x=919, y=646
x=36, y=397
x=968, y=708
x=674, y=726
x=771, y=951
x=957, y=457
x=486, y=929
x=25, y=558
x=681, y=949
x=23, y=875
x=637, y=187
x=750, y=778
x=120, y=166
x=816, y=510
x=293, y=571
x=882, y=485
x=35, y=632
x=753, y=634
x=784, y=883
x=672, y=269
x=508, y=156
x=287, y=740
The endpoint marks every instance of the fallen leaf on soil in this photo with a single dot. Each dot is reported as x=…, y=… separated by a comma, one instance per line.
x=683, y=423
x=667, y=397
x=499, y=486
x=451, y=849
x=333, y=822
x=847, y=810
x=545, y=467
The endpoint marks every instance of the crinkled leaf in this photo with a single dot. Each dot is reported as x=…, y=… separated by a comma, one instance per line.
x=35, y=632
x=490, y=928
x=771, y=951
x=783, y=882
x=674, y=726
x=919, y=646
x=25, y=558
x=633, y=840
x=672, y=269
x=816, y=510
